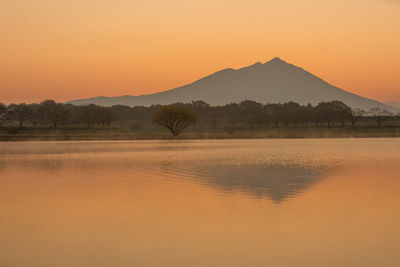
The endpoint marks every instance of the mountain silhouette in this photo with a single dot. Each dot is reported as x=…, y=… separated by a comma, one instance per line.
x=272, y=82
x=393, y=104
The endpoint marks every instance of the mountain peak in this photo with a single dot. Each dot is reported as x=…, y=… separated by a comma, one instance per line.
x=276, y=60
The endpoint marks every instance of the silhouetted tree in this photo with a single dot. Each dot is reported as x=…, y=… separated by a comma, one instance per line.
x=3, y=112
x=332, y=111
x=232, y=113
x=105, y=116
x=87, y=114
x=307, y=114
x=175, y=118
x=290, y=113
x=273, y=113
x=356, y=116
x=18, y=112
x=380, y=115
x=54, y=112
x=341, y=111
x=250, y=113
x=324, y=113
x=3, y=108
x=34, y=114
x=203, y=112
x=230, y=117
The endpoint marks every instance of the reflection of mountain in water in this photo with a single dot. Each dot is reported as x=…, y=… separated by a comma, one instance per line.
x=276, y=178
x=274, y=182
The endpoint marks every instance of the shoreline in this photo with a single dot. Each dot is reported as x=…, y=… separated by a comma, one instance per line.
x=271, y=133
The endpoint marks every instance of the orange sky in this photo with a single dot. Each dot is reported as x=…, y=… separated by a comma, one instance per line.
x=68, y=49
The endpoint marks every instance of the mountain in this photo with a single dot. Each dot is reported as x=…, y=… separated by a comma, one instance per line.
x=272, y=82
x=393, y=104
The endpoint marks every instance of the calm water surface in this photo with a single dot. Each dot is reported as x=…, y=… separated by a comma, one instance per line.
x=325, y=202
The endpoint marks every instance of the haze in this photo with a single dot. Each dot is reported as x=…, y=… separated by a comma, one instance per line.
x=75, y=49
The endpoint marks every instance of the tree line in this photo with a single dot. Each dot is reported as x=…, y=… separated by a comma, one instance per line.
x=247, y=113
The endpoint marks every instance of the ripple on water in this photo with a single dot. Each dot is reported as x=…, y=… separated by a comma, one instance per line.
x=275, y=169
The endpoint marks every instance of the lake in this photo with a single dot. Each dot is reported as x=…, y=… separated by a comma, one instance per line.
x=311, y=202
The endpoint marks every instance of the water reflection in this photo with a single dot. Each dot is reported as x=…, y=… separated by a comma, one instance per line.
x=276, y=170
x=269, y=180
x=276, y=183
x=200, y=203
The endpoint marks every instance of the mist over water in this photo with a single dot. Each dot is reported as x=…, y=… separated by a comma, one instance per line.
x=325, y=202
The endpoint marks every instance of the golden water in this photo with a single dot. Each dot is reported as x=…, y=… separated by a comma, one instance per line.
x=325, y=202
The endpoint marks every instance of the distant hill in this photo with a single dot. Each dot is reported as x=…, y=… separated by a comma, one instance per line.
x=393, y=104
x=272, y=82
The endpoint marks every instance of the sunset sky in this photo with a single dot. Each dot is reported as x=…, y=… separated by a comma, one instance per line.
x=69, y=49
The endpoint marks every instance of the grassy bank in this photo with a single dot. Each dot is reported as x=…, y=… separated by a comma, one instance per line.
x=77, y=134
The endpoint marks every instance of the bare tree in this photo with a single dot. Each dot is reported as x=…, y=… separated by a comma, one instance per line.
x=175, y=118
x=380, y=115
x=356, y=116
x=19, y=113
x=105, y=116
x=54, y=112
x=88, y=114
x=34, y=114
